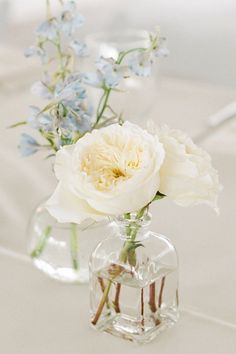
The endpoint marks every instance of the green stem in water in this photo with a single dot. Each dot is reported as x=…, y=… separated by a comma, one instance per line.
x=161, y=292
x=41, y=243
x=127, y=254
x=74, y=246
x=102, y=302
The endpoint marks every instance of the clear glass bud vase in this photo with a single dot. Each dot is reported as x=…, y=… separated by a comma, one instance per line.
x=134, y=281
x=62, y=250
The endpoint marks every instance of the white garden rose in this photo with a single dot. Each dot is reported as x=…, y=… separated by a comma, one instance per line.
x=111, y=171
x=187, y=175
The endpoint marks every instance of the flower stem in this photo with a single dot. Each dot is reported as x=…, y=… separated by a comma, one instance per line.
x=117, y=298
x=152, y=302
x=48, y=7
x=142, y=309
x=122, y=55
x=104, y=97
x=41, y=243
x=177, y=297
x=102, y=285
x=152, y=297
x=161, y=292
x=102, y=303
x=74, y=246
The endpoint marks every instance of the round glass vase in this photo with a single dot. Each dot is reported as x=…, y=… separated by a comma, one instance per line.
x=62, y=250
x=134, y=281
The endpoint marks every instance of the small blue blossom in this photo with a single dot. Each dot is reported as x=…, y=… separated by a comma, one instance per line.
x=70, y=18
x=79, y=48
x=78, y=117
x=109, y=74
x=47, y=30
x=36, y=51
x=41, y=89
x=39, y=121
x=93, y=79
x=162, y=50
x=140, y=64
x=28, y=145
x=74, y=124
x=71, y=88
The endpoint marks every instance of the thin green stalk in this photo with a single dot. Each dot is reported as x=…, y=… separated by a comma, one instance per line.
x=122, y=55
x=107, y=91
x=41, y=243
x=74, y=246
x=48, y=9
x=104, y=97
x=60, y=57
x=49, y=139
x=100, y=102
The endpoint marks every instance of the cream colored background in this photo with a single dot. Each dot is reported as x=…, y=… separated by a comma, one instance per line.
x=40, y=316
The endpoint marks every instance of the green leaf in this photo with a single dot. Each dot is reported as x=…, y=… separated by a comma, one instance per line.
x=17, y=124
x=49, y=106
x=159, y=196
x=132, y=254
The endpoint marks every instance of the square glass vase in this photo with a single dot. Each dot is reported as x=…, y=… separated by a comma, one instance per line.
x=134, y=282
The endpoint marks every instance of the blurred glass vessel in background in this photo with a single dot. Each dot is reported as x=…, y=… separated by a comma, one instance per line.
x=137, y=95
x=62, y=250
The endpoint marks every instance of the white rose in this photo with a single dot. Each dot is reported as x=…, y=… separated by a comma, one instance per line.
x=110, y=171
x=187, y=175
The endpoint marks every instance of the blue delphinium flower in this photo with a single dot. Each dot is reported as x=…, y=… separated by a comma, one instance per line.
x=79, y=48
x=161, y=50
x=70, y=18
x=108, y=74
x=47, y=30
x=140, y=63
x=93, y=79
x=74, y=124
x=39, y=121
x=36, y=51
x=71, y=88
x=41, y=89
x=28, y=145
x=78, y=117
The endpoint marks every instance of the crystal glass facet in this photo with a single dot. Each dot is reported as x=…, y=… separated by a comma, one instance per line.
x=134, y=282
x=62, y=250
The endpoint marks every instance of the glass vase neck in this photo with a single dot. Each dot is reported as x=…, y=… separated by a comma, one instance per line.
x=131, y=227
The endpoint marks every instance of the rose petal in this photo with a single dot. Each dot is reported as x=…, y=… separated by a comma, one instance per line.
x=66, y=207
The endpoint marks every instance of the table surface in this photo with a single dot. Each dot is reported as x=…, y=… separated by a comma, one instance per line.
x=41, y=316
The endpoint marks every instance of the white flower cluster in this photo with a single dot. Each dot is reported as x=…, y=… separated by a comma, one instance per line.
x=122, y=169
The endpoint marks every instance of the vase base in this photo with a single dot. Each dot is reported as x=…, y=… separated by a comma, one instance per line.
x=62, y=274
x=122, y=326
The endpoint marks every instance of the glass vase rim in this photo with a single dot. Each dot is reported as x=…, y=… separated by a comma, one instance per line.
x=118, y=36
x=143, y=221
